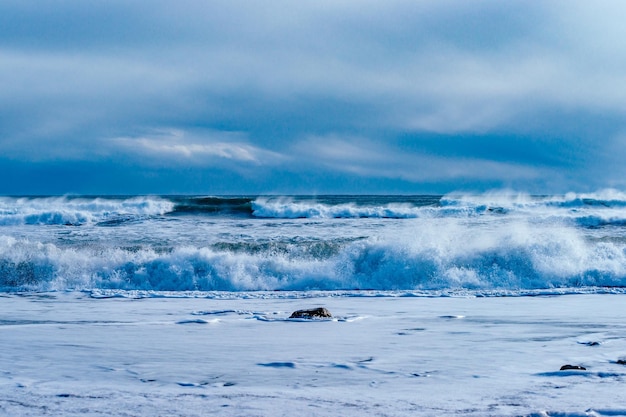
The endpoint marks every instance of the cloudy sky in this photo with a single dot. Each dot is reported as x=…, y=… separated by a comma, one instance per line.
x=284, y=97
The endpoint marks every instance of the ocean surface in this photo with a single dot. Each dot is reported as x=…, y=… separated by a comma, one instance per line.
x=501, y=243
x=498, y=304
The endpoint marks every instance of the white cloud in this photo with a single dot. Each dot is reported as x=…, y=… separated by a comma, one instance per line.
x=175, y=146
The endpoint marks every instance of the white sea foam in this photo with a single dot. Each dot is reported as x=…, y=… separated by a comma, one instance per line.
x=76, y=210
x=425, y=255
x=593, y=209
x=485, y=243
x=289, y=208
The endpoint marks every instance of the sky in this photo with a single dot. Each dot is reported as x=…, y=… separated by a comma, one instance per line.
x=311, y=97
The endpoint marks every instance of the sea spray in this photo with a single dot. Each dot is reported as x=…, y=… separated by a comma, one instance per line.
x=77, y=210
x=433, y=254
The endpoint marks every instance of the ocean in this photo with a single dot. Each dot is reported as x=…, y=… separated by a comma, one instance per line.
x=500, y=243
x=500, y=304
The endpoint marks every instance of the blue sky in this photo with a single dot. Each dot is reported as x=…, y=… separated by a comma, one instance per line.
x=284, y=97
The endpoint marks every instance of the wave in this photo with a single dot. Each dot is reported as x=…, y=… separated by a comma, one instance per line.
x=604, y=198
x=113, y=211
x=287, y=208
x=593, y=221
x=592, y=210
x=294, y=207
x=76, y=211
x=606, y=206
x=509, y=200
x=445, y=256
x=601, y=208
x=213, y=205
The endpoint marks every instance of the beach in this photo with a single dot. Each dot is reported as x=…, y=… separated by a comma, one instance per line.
x=77, y=353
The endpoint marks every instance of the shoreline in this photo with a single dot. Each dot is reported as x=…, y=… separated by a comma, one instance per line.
x=69, y=354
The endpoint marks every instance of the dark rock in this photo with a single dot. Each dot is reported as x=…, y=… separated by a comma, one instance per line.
x=312, y=313
x=590, y=343
x=278, y=364
x=621, y=362
x=573, y=367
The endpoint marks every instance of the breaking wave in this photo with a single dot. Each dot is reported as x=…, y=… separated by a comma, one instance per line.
x=605, y=207
x=287, y=208
x=499, y=241
x=76, y=211
x=512, y=257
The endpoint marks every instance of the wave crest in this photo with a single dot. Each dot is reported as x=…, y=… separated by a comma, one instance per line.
x=77, y=210
x=288, y=208
x=444, y=257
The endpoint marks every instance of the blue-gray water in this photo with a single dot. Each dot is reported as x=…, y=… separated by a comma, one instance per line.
x=499, y=243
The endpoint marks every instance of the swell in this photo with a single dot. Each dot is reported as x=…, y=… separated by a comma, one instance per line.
x=292, y=207
x=602, y=208
x=114, y=211
x=593, y=210
x=76, y=211
x=508, y=200
x=507, y=259
x=213, y=205
x=349, y=207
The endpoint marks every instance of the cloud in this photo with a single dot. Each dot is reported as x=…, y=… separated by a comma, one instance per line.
x=202, y=149
x=364, y=157
x=419, y=91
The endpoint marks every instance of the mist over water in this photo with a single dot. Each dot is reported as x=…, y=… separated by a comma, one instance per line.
x=502, y=242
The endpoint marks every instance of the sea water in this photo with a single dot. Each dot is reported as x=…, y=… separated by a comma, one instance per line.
x=505, y=243
x=442, y=305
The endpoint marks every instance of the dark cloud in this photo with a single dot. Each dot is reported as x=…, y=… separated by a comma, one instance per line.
x=278, y=96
